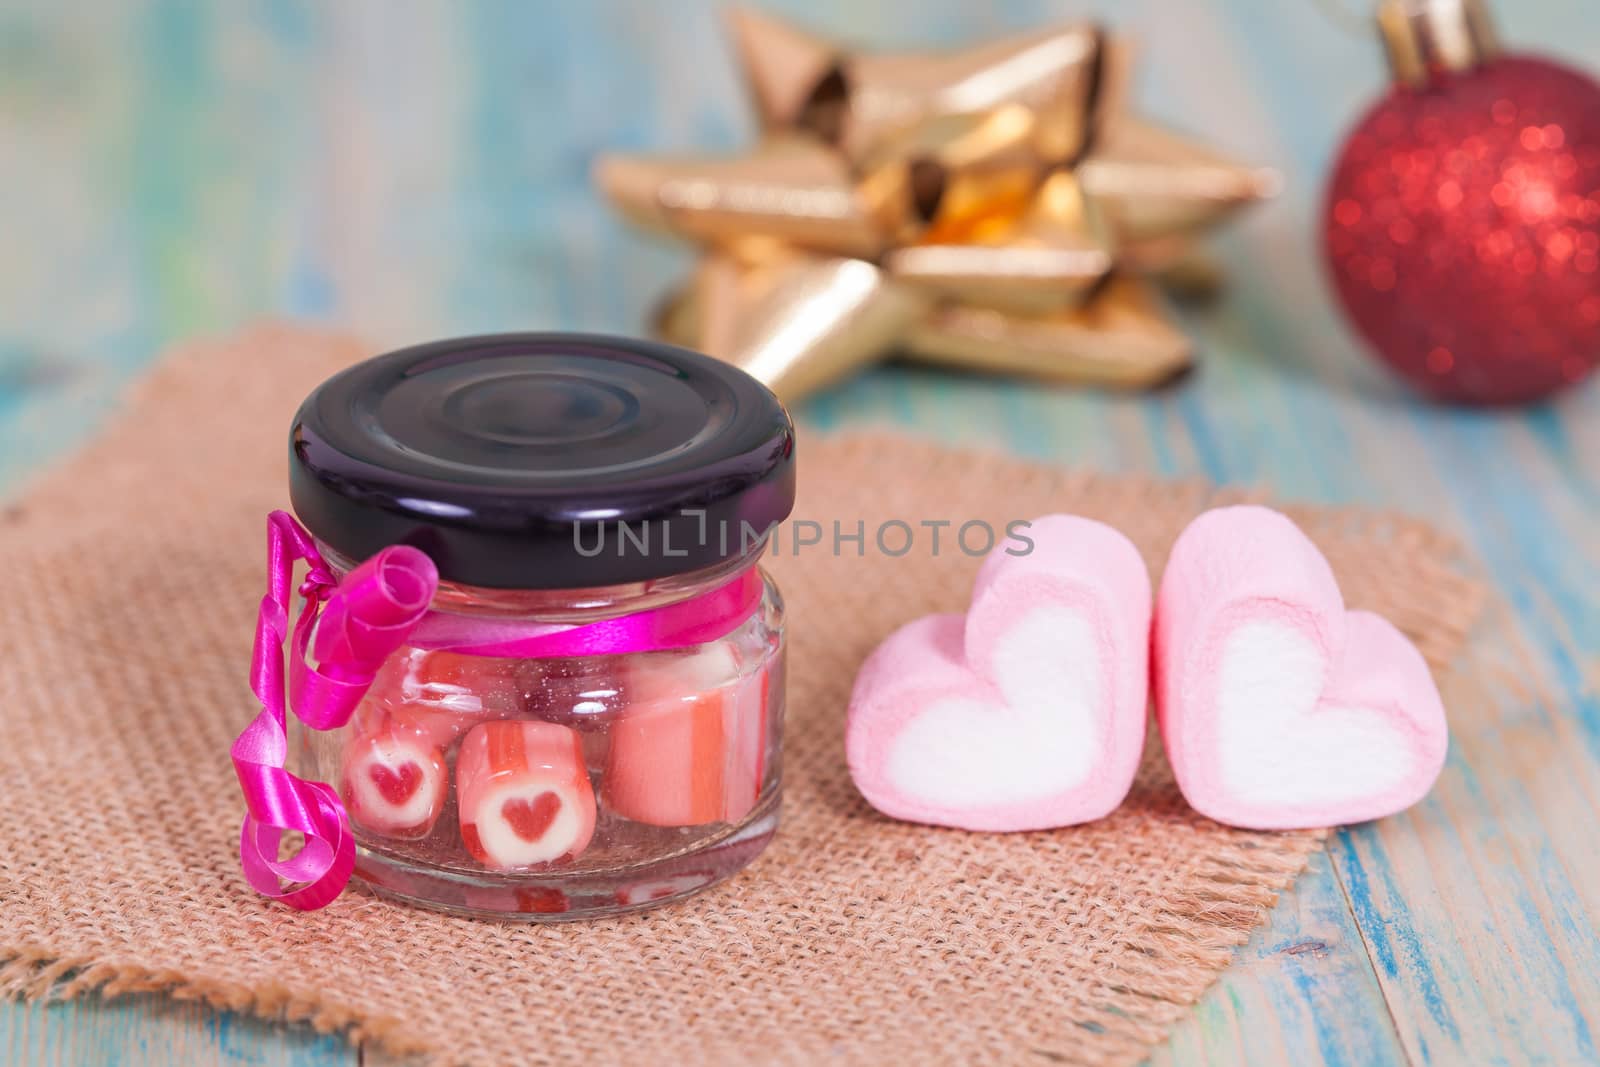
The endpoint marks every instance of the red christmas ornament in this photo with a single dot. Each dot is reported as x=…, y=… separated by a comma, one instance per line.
x=1462, y=226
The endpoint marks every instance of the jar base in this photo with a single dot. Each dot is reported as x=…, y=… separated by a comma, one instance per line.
x=565, y=896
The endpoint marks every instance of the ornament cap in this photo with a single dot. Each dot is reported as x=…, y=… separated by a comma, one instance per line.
x=1424, y=37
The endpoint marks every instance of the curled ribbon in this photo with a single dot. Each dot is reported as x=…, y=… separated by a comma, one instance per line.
x=359, y=622
x=364, y=619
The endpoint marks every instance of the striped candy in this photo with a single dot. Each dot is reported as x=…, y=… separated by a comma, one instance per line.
x=393, y=776
x=691, y=747
x=523, y=794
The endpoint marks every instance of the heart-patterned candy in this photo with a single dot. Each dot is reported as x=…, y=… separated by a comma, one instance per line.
x=523, y=794
x=393, y=776
x=1279, y=709
x=531, y=818
x=1027, y=712
x=396, y=784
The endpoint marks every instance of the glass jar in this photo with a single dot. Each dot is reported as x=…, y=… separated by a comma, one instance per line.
x=544, y=744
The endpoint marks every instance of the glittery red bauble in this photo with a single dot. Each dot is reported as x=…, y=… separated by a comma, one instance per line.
x=1463, y=230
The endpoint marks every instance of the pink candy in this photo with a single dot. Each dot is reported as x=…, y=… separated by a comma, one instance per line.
x=692, y=747
x=394, y=778
x=524, y=794
x=1028, y=712
x=1278, y=708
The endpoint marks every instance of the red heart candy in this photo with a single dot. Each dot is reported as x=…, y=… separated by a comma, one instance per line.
x=397, y=784
x=529, y=819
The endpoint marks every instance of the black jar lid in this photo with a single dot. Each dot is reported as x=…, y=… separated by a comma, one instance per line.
x=510, y=458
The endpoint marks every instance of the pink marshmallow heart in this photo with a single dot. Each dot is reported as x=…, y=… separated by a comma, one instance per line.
x=1026, y=713
x=1279, y=709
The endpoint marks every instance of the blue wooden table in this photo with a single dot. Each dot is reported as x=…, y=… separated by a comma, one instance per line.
x=411, y=170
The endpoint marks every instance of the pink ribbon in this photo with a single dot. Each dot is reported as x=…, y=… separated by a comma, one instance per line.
x=695, y=621
x=366, y=617
x=379, y=606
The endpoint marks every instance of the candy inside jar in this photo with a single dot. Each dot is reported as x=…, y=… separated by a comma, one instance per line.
x=583, y=715
x=457, y=770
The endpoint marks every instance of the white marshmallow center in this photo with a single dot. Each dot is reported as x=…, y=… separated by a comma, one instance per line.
x=1041, y=743
x=1277, y=746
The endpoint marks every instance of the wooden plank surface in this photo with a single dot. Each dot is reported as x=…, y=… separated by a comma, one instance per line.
x=412, y=170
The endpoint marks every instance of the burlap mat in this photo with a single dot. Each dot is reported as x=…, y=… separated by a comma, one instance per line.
x=127, y=598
